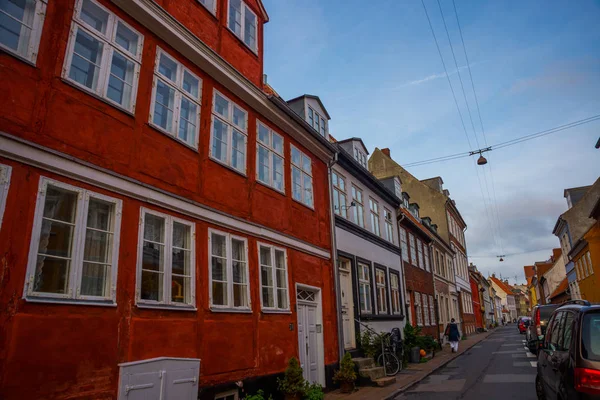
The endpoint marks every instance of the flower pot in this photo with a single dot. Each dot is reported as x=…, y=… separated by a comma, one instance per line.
x=347, y=387
x=294, y=396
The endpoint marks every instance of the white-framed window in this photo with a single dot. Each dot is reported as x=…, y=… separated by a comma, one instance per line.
x=404, y=244
x=431, y=310
x=420, y=254
x=176, y=97
x=418, y=309
x=104, y=55
x=311, y=117
x=395, y=292
x=302, y=182
x=381, y=285
x=317, y=121
x=5, y=172
x=585, y=266
x=242, y=21
x=364, y=288
x=211, y=5
x=426, y=257
x=74, y=245
x=389, y=225
x=21, y=24
x=166, y=261
x=323, y=127
x=229, y=133
x=413, y=249
x=589, y=258
x=229, y=395
x=228, y=273
x=374, y=208
x=274, y=292
x=360, y=157
x=359, y=209
x=397, y=188
x=425, y=309
x=269, y=157
x=339, y=194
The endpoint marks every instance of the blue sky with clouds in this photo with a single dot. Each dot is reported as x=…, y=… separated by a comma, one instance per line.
x=535, y=64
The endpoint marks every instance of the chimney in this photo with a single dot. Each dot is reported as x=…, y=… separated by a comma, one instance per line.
x=386, y=151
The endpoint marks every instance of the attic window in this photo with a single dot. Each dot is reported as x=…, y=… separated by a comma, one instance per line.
x=360, y=157
x=242, y=22
x=317, y=121
x=397, y=188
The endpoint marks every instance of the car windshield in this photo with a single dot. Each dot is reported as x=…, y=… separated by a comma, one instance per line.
x=590, y=336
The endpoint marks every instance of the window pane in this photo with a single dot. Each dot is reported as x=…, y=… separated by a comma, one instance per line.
x=94, y=279
x=168, y=67
x=218, y=245
x=181, y=289
x=163, y=106
x=280, y=274
x=219, y=145
x=99, y=215
x=240, y=295
x=187, y=121
x=56, y=239
x=265, y=256
x=15, y=32
x=263, y=164
x=264, y=134
x=221, y=106
x=239, y=272
x=249, y=28
x=153, y=257
x=235, y=16
x=306, y=166
x=127, y=39
x=277, y=172
x=121, y=80
x=51, y=275
x=238, y=151
x=97, y=247
x=191, y=84
x=282, y=299
x=154, y=228
x=181, y=262
x=152, y=286
x=267, y=297
x=94, y=16
x=238, y=250
x=219, y=293
x=308, y=194
x=296, y=157
x=278, y=144
x=60, y=204
x=85, y=64
x=239, y=118
x=266, y=275
x=219, y=269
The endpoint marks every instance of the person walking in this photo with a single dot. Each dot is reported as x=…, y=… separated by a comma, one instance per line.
x=453, y=335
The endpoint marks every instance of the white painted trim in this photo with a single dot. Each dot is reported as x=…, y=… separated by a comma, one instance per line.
x=320, y=335
x=272, y=250
x=241, y=36
x=231, y=126
x=74, y=168
x=213, y=11
x=5, y=173
x=224, y=395
x=34, y=40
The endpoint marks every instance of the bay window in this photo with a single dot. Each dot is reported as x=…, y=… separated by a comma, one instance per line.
x=381, y=284
x=228, y=273
x=74, y=245
x=229, y=133
x=176, y=98
x=339, y=194
x=21, y=25
x=302, y=182
x=166, y=261
x=269, y=158
x=273, y=278
x=242, y=21
x=364, y=288
x=104, y=55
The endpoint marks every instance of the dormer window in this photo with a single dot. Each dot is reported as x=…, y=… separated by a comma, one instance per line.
x=243, y=23
x=405, y=201
x=317, y=121
x=360, y=157
x=397, y=188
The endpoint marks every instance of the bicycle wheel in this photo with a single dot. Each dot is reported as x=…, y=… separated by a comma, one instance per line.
x=392, y=364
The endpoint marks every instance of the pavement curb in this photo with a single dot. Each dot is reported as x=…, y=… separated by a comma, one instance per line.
x=409, y=385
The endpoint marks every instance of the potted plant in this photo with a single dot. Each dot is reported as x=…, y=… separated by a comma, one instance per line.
x=293, y=386
x=346, y=374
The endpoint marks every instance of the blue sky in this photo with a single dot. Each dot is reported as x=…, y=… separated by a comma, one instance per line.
x=535, y=64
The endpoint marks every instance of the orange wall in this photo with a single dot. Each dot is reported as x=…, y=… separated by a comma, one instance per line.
x=590, y=285
x=55, y=351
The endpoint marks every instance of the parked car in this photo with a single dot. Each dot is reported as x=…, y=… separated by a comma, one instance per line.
x=537, y=329
x=568, y=365
x=523, y=324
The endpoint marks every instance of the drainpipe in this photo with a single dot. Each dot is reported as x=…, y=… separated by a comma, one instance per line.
x=336, y=277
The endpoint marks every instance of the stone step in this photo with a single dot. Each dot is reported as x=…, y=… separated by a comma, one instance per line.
x=372, y=373
x=364, y=362
x=388, y=380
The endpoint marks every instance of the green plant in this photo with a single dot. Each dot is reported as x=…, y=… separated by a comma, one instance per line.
x=423, y=360
x=260, y=395
x=293, y=382
x=411, y=339
x=314, y=392
x=426, y=342
x=367, y=344
x=346, y=372
x=464, y=337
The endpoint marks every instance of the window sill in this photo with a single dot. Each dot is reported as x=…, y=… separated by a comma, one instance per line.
x=88, y=91
x=10, y=52
x=229, y=167
x=166, y=307
x=253, y=51
x=213, y=13
x=312, y=208
x=231, y=310
x=271, y=187
x=51, y=300
x=172, y=136
x=289, y=312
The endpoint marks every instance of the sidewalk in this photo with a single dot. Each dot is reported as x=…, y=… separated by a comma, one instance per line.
x=411, y=375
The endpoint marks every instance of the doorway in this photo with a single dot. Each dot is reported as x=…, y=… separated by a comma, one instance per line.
x=347, y=302
x=310, y=333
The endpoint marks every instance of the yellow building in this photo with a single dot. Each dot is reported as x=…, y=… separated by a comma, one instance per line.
x=586, y=257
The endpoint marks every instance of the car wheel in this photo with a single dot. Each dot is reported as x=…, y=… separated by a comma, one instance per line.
x=539, y=388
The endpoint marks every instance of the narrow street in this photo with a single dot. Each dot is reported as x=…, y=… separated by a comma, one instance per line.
x=499, y=367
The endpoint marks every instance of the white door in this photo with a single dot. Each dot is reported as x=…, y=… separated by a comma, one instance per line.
x=347, y=309
x=307, y=341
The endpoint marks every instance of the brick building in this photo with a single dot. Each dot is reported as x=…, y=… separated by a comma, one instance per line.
x=156, y=203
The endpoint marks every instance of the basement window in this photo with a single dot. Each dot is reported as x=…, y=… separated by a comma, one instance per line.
x=104, y=55
x=74, y=245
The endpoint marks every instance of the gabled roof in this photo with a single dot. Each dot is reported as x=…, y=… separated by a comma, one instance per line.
x=562, y=287
x=312, y=96
x=354, y=139
x=529, y=271
x=506, y=288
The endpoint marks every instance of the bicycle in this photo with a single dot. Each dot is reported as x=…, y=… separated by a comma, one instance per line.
x=388, y=358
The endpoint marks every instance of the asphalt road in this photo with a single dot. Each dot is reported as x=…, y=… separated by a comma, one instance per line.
x=499, y=367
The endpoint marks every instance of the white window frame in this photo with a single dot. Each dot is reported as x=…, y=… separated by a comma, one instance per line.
x=397, y=188
x=374, y=213
x=425, y=307
x=359, y=204
x=39, y=14
x=73, y=295
x=229, y=271
x=426, y=257
x=413, y=249
x=303, y=175
x=418, y=308
x=272, y=249
x=168, y=266
x=109, y=48
x=432, y=311
x=396, y=306
x=272, y=153
x=230, y=125
x=212, y=10
x=339, y=193
x=179, y=94
x=589, y=259
x=5, y=174
x=366, y=283
x=404, y=244
x=381, y=290
x=242, y=34
x=389, y=225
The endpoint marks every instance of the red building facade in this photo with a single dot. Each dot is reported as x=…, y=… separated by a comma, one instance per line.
x=136, y=222
x=477, y=306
